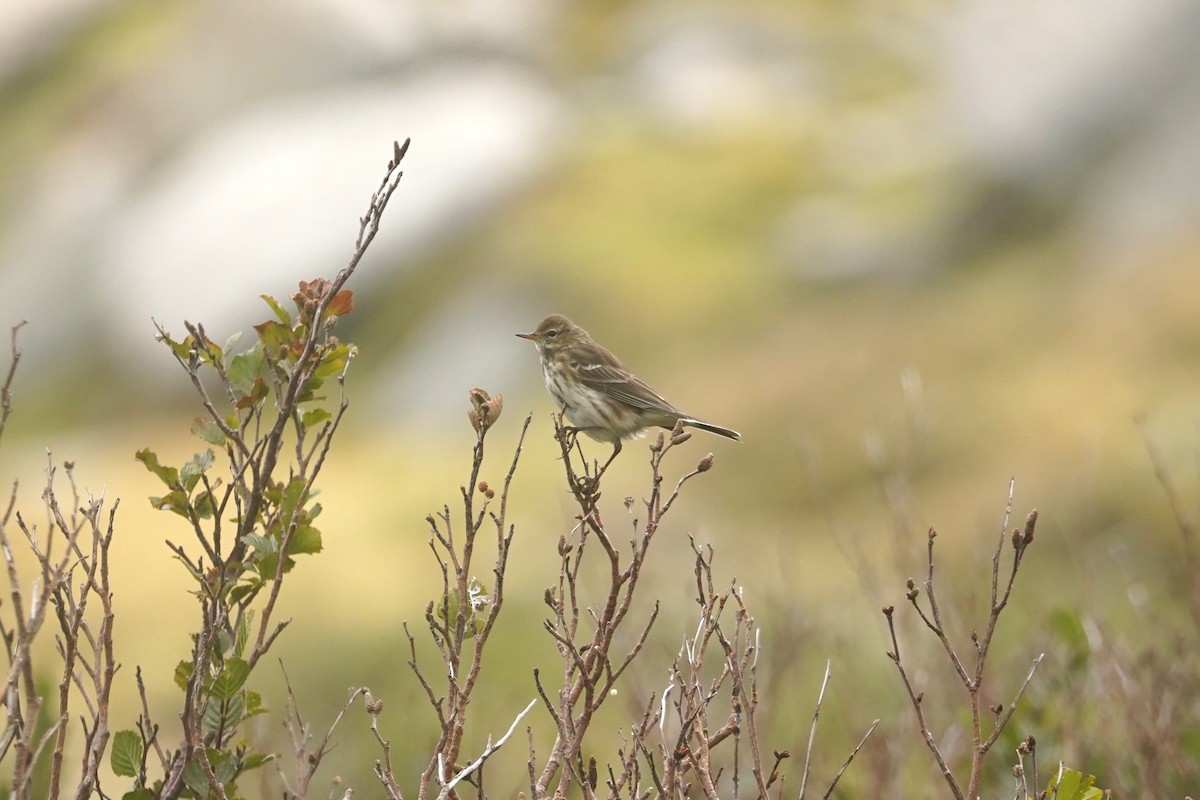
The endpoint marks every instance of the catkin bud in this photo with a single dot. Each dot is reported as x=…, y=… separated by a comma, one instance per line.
x=705, y=463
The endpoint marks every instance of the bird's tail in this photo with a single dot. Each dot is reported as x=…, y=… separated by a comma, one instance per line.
x=708, y=426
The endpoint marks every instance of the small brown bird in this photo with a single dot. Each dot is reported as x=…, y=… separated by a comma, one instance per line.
x=598, y=394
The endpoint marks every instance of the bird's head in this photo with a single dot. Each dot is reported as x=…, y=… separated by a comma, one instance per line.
x=555, y=333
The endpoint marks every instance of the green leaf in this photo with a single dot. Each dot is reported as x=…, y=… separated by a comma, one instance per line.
x=268, y=566
x=294, y=497
x=181, y=349
x=275, y=336
x=308, y=392
x=241, y=591
x=232, y=342
x=333, y=361
x=243, y=634
x=315, y=417
x=209, y=431
x=279, y=310
x=208, y=350
x=305, y=541
x=256, y=760
x=224, y=766
x=126, y=756
x=224, y=641
x=260, y=544
x=1072, y=785
x=176, y=501
x=138, y=794
x=193, y=469
x=204, y=505
x=183, y=674
x=258, y=393
x=195, y=779
x=168, y=475
x=230, y=679
x=244, y=369
x=223, y=715
x=254, y=704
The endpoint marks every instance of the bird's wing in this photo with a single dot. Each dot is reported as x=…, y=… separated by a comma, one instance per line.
x=600, y=370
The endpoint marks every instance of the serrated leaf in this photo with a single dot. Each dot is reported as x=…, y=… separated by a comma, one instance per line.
x=168, y=475
x=254, y=704
x=294, y=497
x=126, y=755
x=183, y=673
x=268, y=566
x=209, y=351
x=209, y=431
x=204, y=505
x=259, y=391
x=195, y=779
x=308, y=393
x=230, y=679
x=1072, y=785
x=182, y=349
x=176, y=501
x=256, y=760
x=223, y=714
x=242, y=634
x=232, y=342
x=244, y=370
x=275, y=336
x=224, y=765
x=305, y=541
x=315, y=417
x=200, y=463
x=224, y=641
x=333, y=361
x=260, y=544
x=279, y=310
x=242, y=591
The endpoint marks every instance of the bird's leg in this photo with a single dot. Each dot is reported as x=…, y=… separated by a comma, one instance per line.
x=616, y=449
x=569, y=432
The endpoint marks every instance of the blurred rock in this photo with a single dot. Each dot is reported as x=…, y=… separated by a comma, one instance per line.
x=1093, y=109
x=176, y=198
x=276, y=193
x=689, y=66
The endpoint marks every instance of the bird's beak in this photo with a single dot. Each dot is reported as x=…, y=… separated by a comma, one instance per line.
x=533, y=337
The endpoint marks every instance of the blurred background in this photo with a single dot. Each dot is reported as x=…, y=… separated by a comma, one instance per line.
x=911, y=251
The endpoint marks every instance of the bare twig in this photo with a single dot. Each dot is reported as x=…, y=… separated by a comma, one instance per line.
x=833, y=784
x=812, y=732
x=971, y=679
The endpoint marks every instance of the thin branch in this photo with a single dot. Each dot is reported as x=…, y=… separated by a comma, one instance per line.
x=833, y=784
x=812, y=732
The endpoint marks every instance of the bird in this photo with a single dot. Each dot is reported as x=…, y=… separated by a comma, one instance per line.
x=598, y=394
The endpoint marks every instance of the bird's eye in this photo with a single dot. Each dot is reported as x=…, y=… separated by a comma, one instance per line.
x=551, y=334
